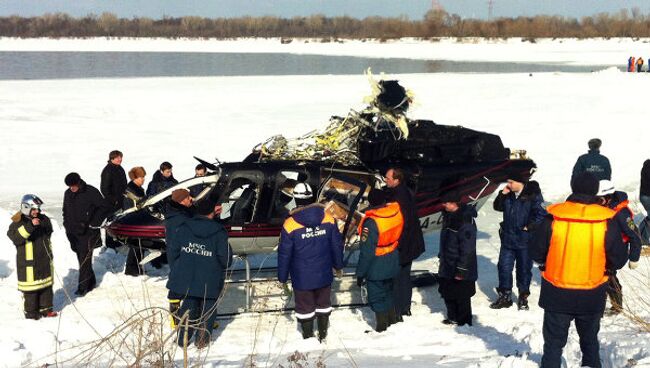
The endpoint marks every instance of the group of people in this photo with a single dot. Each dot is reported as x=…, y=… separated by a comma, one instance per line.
x=578, y=246
x=635, y=65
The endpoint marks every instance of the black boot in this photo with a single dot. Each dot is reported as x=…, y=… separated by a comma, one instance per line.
x=382, y=321
x=503, y=301
x=393, y=317
x=323, y=322
x=522, y=301
x=307, y=326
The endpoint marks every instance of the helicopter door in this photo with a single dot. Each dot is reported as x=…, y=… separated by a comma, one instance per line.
x=341, y=196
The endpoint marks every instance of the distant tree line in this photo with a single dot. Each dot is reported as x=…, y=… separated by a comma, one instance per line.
x=436, y=23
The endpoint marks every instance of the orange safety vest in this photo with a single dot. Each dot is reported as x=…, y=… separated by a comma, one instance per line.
x=617, y=209
x=576, y=256
x=390, y=223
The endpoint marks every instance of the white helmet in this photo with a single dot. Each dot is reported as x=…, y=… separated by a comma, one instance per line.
x=605, y=187
x=302, y=191
x=28, y=203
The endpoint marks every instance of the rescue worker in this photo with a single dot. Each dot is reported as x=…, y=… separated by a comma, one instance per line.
x=132, y=196
x=380, y=231
x=112, y=185
x=30, y=231
x=458, y=269
x=179, y=211
x=198, y=258
x=162, y=179
x=411, y=242
x=624, y=217
x=310, y=247
x=521, y=202
x=593, y=162
x=84, y=209
x=577, y=246
x=639, y=65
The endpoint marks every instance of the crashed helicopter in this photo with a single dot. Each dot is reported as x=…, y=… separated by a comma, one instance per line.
x=341, y=163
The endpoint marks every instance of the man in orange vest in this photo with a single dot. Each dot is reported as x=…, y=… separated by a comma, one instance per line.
x=380, y=230
x=577, y=246
x=617, y=200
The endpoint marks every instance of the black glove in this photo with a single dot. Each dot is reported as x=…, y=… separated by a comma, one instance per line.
x=360, y=281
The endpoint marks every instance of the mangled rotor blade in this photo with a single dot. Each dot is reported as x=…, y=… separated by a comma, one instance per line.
x=210, y=166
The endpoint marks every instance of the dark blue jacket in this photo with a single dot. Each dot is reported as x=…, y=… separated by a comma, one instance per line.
x=595, y=163
x=198, y=257
x=370, y=266
x=625, y=221
x=159, y=183
x=458, y=244
x=176, y=215
x=527, y=211
x=310, y=246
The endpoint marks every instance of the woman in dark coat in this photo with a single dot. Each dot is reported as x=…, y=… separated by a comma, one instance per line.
x=458, y=266
x=134, y=193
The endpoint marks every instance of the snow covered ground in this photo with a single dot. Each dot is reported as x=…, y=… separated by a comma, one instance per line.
x=50, y=128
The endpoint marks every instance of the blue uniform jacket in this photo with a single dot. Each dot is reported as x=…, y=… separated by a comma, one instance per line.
x=628, y=227
x=370, y=266
x=198, y=257
x=594, y=163
x=458, y=244
x=521, y=213
x=310, y=246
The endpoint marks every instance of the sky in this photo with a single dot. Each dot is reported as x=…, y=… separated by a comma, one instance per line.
x=413, y=9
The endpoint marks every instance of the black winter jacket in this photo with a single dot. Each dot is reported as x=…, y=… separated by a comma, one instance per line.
x=113, y=185
x=198, y=258
x=159, y=183
x=83, y=209
x=132, y=195
x=572, y=301
x=458, y=244
x=645, y=179
x=33, y=251
x=411, y=242
x=594, y=163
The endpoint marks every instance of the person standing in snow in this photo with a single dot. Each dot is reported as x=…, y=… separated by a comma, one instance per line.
x=411, y=242
x=639, y=65
x=593, y=162
x=84, y=209
x=30, y=232
x=624, y=217
x=458, y=269
x=577, y=246
x=132, y=196
x=177, y=213
x=162, y=179
x=198, y=259
x=380, y=231
x=630, y=61
x=521, y=203
x=644, y=190
x=310, y=247
x=112, y=186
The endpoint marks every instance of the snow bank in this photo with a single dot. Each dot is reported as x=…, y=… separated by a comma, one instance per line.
x=613, y=51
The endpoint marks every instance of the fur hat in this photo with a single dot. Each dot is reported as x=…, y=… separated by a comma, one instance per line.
x=137, y=172
x=72, y=179
x=585, y=183
x=179, y=195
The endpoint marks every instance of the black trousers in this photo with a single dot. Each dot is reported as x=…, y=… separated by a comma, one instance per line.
x=38, y=302
x=615, y=292
x=83, y=246
x=310, y=303
x=459, y=310
x=556, y=330
x=403, y=289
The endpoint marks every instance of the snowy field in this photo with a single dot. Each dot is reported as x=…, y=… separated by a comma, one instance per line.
x=50, y=128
